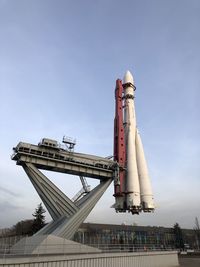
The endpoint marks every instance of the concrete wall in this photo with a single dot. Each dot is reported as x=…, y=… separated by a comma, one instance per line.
x=131, y=259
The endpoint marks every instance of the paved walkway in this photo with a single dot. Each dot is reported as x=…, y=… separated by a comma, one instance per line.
x=189, y=262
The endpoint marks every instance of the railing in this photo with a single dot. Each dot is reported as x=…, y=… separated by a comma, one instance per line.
x=130, y=247
x=32, y=150
x=8, y=250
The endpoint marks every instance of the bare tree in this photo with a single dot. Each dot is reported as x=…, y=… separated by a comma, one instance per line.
x=197, y=232
x=23, y=228
x=178, y=234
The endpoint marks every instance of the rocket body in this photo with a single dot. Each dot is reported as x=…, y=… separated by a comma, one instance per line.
x=132, y=181
x=134, y=192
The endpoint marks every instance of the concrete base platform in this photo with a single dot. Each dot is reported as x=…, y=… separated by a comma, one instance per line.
x=131, y=259
x=50, y=244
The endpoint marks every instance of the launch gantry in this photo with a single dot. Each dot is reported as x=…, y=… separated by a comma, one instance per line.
x=67, y=214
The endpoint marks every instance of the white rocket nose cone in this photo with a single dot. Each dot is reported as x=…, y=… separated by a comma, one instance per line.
x=128, y=78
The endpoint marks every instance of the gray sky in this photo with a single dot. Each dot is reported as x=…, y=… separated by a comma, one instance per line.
x=58, y=64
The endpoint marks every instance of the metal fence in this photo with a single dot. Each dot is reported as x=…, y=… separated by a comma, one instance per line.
x=7, y=250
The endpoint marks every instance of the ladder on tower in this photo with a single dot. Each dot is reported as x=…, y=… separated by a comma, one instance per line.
x=84, y=190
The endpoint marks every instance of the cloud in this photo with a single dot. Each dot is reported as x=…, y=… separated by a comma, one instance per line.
x=7, y=207
x=9, y=192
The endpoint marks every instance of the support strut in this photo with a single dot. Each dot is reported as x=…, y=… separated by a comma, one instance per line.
x=67, y=215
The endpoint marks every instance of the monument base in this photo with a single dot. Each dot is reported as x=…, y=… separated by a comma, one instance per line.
x=49, y=244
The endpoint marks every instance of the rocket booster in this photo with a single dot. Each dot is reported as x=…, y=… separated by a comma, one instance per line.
x=133, y=190
x=144, y=180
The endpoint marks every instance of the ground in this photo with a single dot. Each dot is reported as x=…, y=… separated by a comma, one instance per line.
x=189, y=261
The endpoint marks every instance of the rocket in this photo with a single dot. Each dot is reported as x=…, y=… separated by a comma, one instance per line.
x=132, y=186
